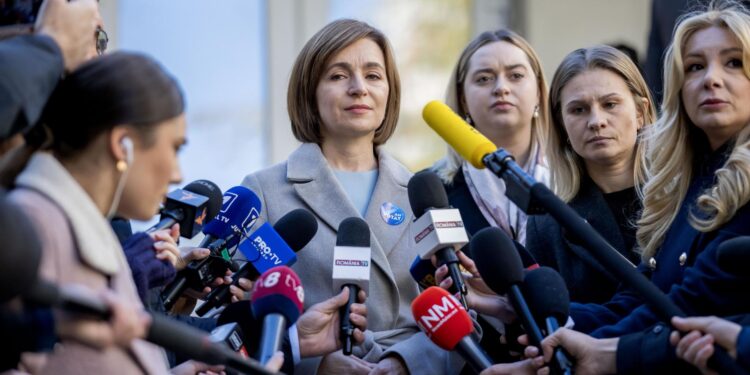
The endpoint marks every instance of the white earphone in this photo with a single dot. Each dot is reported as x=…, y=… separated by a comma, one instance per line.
x=127, y=144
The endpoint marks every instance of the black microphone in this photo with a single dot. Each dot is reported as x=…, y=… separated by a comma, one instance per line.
x=21, y=251
x=733, y=255
x=501, y=269
x=240, y=210
x=549, y=302
x=191, y=206
x=295, y=229
x=163, y=331
x=438, y=229
x=351, y=268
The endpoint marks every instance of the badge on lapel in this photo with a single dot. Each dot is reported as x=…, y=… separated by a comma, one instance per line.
x=392, y=214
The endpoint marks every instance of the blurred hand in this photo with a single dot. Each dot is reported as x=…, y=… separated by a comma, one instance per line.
x=165, y=245
x=698, y=346
x=194, y=367
x=72, y=25
x=533, y=364
x=242, y=292
x=390, y=365
x=318, y=328
x=593, y=356
x=479, y=297
x=337, y=363
x=127, y=322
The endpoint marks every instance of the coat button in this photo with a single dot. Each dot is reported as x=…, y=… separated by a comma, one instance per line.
x=652, y=263
x=658, y=328
x=683, y=259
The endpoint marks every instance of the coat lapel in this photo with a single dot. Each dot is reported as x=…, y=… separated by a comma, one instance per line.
x=390, y=188
x=316, y=185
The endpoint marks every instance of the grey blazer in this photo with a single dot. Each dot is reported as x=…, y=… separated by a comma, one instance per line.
x=305, y=180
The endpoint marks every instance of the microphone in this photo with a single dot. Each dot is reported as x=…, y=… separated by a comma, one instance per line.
x=465, y=139
x=443, y=319
x=549, y=301
x=423, y=272
x=230, y=335
x=267, y=247
x=351, y=268
x=278, y=299
x=733, y=255
x=238, y=213
x=439, y=229
x=163, y=331
x=22, y=251
x=190, y=206
x=502, y=271
x=527, y=260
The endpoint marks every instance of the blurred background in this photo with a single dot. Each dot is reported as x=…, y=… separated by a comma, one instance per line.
x=233, y=58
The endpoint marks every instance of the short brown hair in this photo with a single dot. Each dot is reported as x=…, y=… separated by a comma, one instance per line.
x=310, y=65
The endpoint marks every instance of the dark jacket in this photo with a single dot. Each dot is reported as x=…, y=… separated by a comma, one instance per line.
x=548, y=242
x=670, y=271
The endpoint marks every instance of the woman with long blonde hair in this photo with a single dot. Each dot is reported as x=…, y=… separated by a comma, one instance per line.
x=695, y=197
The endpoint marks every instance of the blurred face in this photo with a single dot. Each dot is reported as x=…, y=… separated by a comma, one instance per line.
x=154, y=167
x=601, y=117
x=500, y=89
x=716, y=92
x=353, y=92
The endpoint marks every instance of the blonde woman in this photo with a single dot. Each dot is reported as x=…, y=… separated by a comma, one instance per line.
x=599, y=103
x=498, y=86
x=695, y=196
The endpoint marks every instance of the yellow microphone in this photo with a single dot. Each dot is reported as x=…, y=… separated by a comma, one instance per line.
x=467, y=141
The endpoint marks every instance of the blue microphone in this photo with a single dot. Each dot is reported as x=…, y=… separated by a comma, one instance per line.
x=267, y=247
x=239, y=212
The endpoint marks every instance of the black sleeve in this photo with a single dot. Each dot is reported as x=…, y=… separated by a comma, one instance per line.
x=649, y=352
x=31, y=66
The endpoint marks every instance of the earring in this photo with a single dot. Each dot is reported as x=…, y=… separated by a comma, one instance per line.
x=536, y=112
x=121, y=166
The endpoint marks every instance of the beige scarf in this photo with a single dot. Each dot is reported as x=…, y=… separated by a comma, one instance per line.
x=495, y=206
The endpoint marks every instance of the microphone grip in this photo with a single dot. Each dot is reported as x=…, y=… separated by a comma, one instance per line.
x=347, y=328
x=448, y=256
x=173, y=291
x=523, y=312
x=271, y=336
x=221, y=294
x=473, y=354
x=563, y=364
x=164, y=223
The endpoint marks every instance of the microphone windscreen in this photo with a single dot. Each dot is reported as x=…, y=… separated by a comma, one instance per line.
x=297, y=228
x=209, y=190
x=497, y=259
x=239, y=211
x=21, y=253
x=546, y=295
x=426, y=191
x=734, y=255
x=528, y=260
x=466, y=140
x=441, y=317
x=353, y=232
x=278, y=291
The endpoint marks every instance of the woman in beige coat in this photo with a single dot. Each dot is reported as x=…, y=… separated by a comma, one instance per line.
x=109, y=146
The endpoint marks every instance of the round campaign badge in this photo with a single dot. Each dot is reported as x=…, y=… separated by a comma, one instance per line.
x=392, y=214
